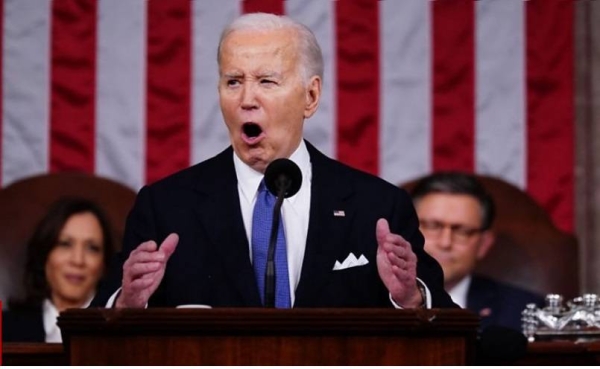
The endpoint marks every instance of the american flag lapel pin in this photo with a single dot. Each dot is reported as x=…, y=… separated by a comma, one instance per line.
x=339, y=213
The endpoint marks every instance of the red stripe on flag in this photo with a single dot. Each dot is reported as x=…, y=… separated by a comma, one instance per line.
x=550, y=107
x=453, y=117
x=73, y=85
x=168, y=88
x=357, y=40
x=265, y=6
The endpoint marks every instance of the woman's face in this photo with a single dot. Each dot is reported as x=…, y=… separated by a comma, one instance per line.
x=76, y=262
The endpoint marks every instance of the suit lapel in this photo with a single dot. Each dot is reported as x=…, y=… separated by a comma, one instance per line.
x=219, y=194
x=330, y=192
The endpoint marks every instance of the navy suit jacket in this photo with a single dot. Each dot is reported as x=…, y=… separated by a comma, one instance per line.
x=499, y=304
x=211, y=264
x=23, y=326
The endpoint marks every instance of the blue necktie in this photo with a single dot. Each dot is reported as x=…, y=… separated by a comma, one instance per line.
x=262, y=221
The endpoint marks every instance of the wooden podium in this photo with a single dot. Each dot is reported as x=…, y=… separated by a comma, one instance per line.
x=268, y=336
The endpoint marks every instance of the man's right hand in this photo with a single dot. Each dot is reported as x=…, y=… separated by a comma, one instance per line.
x=143, y=271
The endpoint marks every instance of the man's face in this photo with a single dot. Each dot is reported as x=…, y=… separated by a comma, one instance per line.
x=451, y=225
x=262, y=95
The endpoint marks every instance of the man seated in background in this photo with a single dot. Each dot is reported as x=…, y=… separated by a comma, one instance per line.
x=456, y=215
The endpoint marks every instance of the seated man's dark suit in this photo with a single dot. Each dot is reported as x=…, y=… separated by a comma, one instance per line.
x=499, y=304
x=211, y=264
x=23, y=326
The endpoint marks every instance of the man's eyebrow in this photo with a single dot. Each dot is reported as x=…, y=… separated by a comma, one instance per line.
x=269, y=74
x=260, y=75
x=232, y=75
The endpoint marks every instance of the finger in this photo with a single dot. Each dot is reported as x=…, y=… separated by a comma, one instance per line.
x=147, y=246
x=169, y=245
x=138, y=270
x=402, y=266
x=404, y=275
x=146, y=257
x=382, y=229
x=398, y=246
x=396, y=261
x=403, y=251
x=395, y=238
x=141, y=284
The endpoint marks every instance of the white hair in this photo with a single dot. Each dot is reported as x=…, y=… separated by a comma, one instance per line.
x=311, y=58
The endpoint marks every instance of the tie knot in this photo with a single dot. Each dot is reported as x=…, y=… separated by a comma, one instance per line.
x=265, y=195
x=262, y=186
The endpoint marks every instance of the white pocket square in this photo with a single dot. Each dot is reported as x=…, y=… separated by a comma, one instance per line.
x=351, y=261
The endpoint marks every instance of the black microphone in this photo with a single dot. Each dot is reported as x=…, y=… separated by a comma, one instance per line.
x=283, y=179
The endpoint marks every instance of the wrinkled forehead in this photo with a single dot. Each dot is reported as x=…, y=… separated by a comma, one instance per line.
x=280, y=40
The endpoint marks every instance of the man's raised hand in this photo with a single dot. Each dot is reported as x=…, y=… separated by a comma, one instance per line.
x=143, y=271
x=397, y=266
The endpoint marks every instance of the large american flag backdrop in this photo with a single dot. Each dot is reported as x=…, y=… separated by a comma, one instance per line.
x=127, y=89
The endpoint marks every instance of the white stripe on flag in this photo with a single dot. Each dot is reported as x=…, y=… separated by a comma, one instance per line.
x=319, y=16
x=120, y=94
x=26, y=89
x=209, y=133
x=500, y=90
x=405, y=129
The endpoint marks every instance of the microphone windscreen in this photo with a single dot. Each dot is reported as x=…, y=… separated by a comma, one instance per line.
x=283, y=173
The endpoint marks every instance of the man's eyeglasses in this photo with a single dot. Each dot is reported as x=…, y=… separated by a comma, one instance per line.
x=459, y=233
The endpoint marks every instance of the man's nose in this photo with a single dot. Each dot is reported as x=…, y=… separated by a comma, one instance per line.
x=248, y=97
x=445, y=238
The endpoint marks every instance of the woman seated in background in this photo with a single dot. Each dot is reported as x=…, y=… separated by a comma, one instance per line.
x=66, y=257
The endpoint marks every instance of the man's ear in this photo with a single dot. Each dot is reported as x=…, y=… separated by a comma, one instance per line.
x=313, y=96
x=487, y=240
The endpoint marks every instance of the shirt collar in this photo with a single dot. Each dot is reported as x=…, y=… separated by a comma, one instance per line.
x=459, y=292
x=249, y=179
x=50, y=315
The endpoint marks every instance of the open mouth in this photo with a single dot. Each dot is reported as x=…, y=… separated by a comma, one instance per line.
x=251, y=132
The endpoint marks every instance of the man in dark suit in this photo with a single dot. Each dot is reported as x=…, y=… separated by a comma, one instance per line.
x=352, y=239
x=456, y=215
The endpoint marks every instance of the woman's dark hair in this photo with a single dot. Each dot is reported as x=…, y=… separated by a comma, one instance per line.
x=44, y=240
x=457, y=183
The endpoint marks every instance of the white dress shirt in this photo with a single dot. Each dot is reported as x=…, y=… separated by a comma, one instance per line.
x=460, y=291
x=50, y=315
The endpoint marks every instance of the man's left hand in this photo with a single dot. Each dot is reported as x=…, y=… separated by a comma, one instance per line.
x=397, y=266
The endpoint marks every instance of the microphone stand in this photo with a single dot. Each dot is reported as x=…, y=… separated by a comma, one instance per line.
x=283, y=184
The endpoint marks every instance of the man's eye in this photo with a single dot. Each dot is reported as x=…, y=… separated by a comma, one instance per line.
x=233, y=82
x=435, y=225
x=463, y=232
x=267, y=81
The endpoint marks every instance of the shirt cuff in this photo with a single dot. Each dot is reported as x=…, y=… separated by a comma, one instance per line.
x=427, y=297
x=111, y=301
